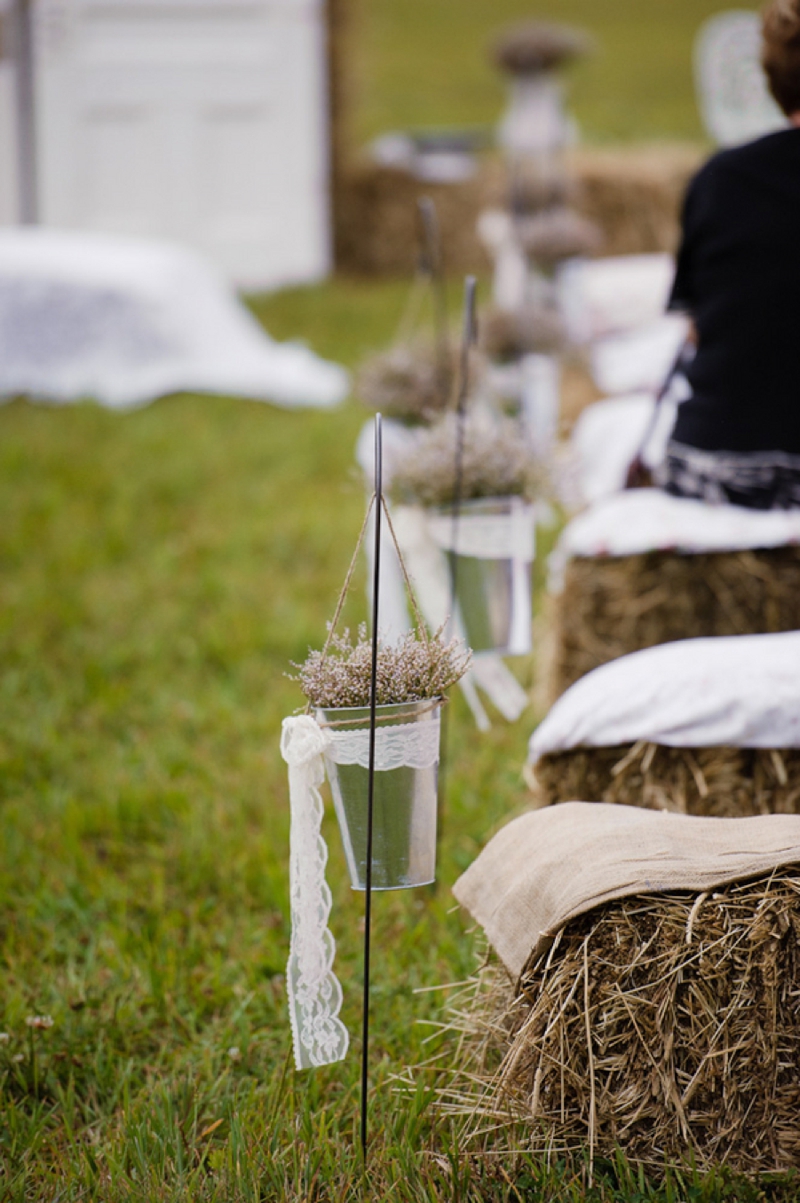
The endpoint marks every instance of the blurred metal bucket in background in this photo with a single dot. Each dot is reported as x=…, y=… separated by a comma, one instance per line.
x=404, y=799
x=491, y=570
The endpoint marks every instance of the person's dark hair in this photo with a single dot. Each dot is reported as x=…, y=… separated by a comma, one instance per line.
x=780, y=54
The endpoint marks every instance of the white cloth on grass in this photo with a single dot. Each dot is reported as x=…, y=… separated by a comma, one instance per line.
x=126, y=320
x=739, y=691
x=547, y=866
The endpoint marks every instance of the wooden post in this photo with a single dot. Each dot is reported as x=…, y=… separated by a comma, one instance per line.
x=27, y=204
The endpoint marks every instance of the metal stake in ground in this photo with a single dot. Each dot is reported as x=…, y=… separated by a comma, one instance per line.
x=468, y=337
x=431, y=263
x=371, y=779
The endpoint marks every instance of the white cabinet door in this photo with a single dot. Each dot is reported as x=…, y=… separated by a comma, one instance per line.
x=199, y=120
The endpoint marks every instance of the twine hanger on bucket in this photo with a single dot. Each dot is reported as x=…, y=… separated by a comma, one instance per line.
x=419, y=622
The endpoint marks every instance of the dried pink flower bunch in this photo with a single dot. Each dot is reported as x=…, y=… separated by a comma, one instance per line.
x=496, y=462
x=558, y=234
x=546, y=188
x=410, y=670
x=531, y=329
x=412, y=382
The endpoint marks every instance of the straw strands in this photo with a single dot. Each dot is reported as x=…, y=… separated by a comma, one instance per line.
x=657, y=1024
x=610, y=607
x=723, y=782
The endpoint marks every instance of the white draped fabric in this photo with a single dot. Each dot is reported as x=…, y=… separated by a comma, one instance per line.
x=125, y=320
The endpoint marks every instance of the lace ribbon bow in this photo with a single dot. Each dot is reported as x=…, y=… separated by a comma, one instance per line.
x=314, y=992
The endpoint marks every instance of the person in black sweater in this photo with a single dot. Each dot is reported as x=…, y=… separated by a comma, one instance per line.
x=737, y=438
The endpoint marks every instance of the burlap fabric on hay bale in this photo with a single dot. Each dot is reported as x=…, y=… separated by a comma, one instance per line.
x=659, y=1024
x=697, y=781
x=612, y=606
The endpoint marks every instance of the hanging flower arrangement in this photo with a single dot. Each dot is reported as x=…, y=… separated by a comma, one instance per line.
x=412, y=669
x=495, y=461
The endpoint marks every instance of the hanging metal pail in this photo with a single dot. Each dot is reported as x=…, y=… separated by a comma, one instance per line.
x=404, y=796
x=491, y=571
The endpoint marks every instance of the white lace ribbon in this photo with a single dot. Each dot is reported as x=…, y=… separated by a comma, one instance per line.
x=414, y=745
x=508, y=536
x=314, y=992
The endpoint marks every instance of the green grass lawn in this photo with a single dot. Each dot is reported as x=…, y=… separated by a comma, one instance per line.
x=158, y=572
x=423, y=63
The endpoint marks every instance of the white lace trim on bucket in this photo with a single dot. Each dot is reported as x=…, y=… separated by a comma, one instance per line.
x=313, y=990
x=412, y=745
x=314, y=993
x=508, y=536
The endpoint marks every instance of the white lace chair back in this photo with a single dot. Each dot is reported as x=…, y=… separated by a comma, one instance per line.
x=732, y=93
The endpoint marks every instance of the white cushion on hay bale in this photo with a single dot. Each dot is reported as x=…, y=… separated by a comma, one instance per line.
x=641, y=568
x=741, y=691
x=640, y=358
x=614, y=294
x=125, y=320
x=616, y=306
x=606, y=437
x=700, y=726
x=642, y=520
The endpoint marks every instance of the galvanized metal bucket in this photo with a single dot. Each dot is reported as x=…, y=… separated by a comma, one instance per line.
x=404, y=797
x=490, y=553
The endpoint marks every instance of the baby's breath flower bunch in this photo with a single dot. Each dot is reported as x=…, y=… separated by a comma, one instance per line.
x=532, y=329
x=496, y=462
x=412, y=382
x=558, y=234
x=412, y=669
x=545, y=188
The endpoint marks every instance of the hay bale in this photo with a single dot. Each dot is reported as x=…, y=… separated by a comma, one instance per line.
x=377, y=222
x=635, y=194
x=578, y=390
x=610, y=607
x=632, y=193
x=657, y=1024
x=723, y=782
